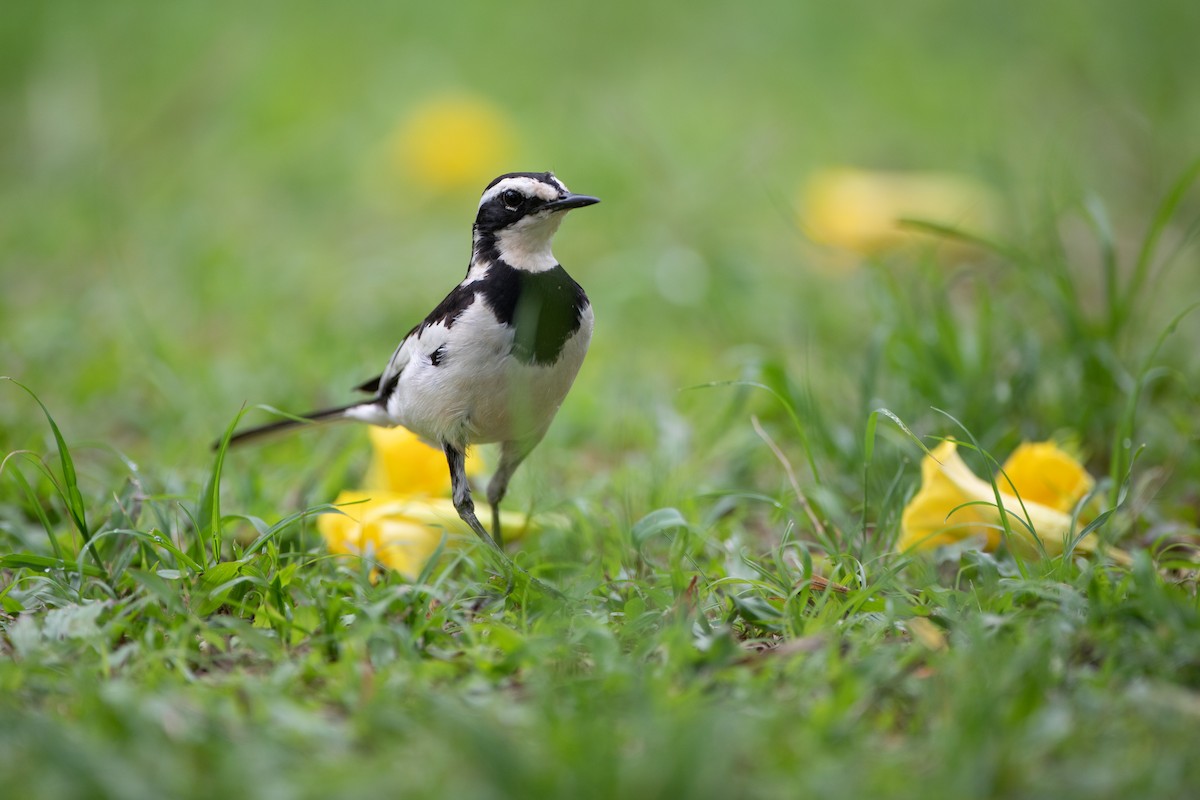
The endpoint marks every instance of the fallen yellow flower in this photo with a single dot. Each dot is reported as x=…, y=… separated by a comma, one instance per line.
x=452, y=142
x=953, y=504
x=1044, y=473
x=403, y=464
x=399, y=531
x=402, y=514
x=860, y=210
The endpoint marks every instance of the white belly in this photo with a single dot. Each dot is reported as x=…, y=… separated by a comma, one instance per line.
x=479, y=392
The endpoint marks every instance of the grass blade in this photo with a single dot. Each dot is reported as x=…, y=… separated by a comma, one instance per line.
x=45, y=563
x=70, y=487
x=1162, y=217
x=71, y=495
x=208, y=518
x=1097, y=216
x=32, y=497
x=808, y=453
x=1123, y=435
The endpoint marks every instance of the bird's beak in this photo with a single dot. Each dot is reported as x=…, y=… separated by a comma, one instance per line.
x=570, y=201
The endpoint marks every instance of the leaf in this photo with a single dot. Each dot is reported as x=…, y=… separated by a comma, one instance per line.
x=214, y=585
x=756, y=610
x=656, y=522
x=32, y=561
x=10, y=605
x=218, y=575
x=73, y=622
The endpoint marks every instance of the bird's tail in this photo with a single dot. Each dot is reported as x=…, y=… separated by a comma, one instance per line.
x=323, y=415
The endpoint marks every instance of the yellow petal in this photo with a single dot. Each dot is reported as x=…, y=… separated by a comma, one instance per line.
x=859, y=210
x=402, y=545
x=937, y=515
x=926, y=633
x=400, y=531
x=402, y=462
x=1043, y=473
x=927, y=521
x=453, y=142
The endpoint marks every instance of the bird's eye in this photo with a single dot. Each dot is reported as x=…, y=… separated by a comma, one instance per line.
x=511, y=198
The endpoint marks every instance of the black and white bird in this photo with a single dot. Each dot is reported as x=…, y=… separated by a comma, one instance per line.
x=493, y=362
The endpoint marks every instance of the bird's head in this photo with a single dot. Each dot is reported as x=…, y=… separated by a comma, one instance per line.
x=518, y=215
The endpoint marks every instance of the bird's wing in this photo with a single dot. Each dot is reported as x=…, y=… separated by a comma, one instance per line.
x=442, y=316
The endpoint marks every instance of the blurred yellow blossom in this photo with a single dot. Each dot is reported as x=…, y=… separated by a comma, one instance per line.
x=859, y=210
x=953, y=504
x=1045, y=474
x=401, y=515
x=402, y=463
x=399, y=531
x=453, y=142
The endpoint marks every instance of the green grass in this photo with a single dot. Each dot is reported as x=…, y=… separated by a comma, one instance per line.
x=196, y=217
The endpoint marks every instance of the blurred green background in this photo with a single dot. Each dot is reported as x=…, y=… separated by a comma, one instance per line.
x=200, y=204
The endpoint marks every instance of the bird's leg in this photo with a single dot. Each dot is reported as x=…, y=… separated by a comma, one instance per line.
x=511, y=456
x=461, y=490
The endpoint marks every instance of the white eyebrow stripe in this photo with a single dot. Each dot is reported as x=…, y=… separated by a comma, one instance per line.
x=527, y=187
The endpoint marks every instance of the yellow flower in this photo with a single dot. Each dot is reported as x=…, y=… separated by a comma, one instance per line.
x=1043, y=473
x=402, y=514
x=953, y=504
x=453, y=142
x=402, y=463
x=859, y=210
x=401, y=532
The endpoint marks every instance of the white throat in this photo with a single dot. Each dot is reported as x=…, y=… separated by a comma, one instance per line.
x=526, y=245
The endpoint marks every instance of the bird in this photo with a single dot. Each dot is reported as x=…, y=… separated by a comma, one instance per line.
x=495, y=359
